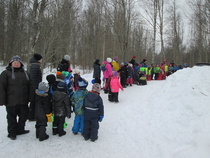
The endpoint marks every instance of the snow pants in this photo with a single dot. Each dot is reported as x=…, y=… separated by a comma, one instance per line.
x=16, y=126
x=78, y=124
x=91, y=124
x=58, y=122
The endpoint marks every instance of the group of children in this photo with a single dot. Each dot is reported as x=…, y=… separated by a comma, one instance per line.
x=62, y=95
x=118, y=76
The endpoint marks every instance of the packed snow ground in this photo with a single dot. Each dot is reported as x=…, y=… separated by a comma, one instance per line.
x=164, y=119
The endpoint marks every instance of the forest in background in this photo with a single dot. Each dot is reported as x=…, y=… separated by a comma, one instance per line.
x=97, y=29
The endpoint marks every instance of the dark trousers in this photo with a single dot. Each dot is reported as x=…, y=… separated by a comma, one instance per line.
x=58, y=124
x=91, y=129
x=31, y=115
x=123, y=80
x=97, y=80
x=41, y=124
x=16, y=126
x=113, y=96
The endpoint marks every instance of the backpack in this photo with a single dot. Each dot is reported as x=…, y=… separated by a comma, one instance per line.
x=103, y=67
x=60, y=67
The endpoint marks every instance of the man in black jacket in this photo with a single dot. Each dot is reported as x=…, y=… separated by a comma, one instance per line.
x=14, y=88
x=35, y=78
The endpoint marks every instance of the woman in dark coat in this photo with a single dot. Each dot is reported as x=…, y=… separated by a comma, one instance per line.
x=35, y=74
x=97, y=71
x=14, y=88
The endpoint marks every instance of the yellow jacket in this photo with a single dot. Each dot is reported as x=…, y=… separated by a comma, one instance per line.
x=116, y=65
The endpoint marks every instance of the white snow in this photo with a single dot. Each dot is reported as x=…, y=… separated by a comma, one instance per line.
x=164, y=119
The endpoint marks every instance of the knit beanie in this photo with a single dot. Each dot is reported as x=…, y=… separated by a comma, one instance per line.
x=96, y=87
x=97, y=61
x=116, y=58
x=82, y=83
x=37, y=56
x=43, y=86
x=16, y=58
x=51, y=78
x=60, y=75
x=115, y=73
x=61, y=87
x=66, y=57
x=109, y=60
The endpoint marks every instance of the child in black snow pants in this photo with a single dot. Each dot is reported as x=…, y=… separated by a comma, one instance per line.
x=61, y=108
x=93, y=112
x=43, y=108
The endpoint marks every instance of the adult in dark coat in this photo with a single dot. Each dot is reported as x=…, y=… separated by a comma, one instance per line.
x=133, y=60
x=64, y=65
x=123, y=74
x=97, y=71
x=35, y=74
x=14, y=88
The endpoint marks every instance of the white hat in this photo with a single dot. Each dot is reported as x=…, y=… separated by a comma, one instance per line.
x=76, y=71
x=66, y=57
x=109, y=60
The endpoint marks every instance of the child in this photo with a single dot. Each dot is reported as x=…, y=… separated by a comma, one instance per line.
x=130, y=75
x=61, y=108
x=78, y=103
x=123, y=74
x=114, y=87
x=94, y=112
x=42, y=109
x=76, y=78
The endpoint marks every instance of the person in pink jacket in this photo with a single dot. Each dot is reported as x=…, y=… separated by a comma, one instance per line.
x=107, y=73
x=115, y=85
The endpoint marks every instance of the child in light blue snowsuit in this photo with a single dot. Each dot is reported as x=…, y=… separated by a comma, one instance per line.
x=78, y=103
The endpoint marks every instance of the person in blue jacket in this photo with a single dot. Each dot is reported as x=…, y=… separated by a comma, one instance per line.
x=93, y=113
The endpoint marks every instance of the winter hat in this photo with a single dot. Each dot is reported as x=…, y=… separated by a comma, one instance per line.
x=76, y=71
x=43, y=86
x=125, y=63
x=97, y=61
x=82, y=83
x=51, y=78
x=69, y=70
x=116, y=58
x=60, y=75
x=16, y=58
x=37, y=56
x=61, y=87
x=134, y=57
x=66, y=57
x=115, y=73
x=66, y=74
x=144, y=60
x=96, y=87
x=109, y=60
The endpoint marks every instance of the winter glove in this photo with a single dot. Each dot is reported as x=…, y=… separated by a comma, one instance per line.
x=100, y=118
x=49, y=117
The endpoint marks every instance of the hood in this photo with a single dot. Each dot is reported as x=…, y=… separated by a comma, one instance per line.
x=33, y=60
x=58, y=96
x=91, y=97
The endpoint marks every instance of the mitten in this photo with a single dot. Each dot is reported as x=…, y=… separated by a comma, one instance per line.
x=100, y=118
x=49, y=117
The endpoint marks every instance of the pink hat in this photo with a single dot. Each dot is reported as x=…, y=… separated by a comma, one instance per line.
x=116, y=58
